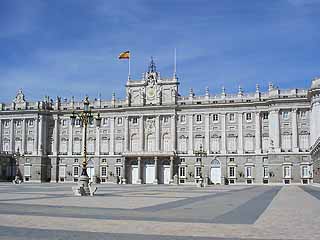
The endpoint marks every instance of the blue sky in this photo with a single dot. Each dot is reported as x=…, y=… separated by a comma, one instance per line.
x=70, y=48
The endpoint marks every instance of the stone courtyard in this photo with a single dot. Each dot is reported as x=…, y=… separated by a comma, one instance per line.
x=49, y=211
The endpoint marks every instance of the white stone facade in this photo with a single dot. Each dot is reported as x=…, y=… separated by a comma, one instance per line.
x=157, y=136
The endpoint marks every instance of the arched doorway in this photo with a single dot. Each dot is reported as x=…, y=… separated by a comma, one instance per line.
x=90, y=169
x=215, y=175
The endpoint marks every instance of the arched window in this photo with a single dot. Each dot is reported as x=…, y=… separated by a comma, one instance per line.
x=134, y=146
x=64, y=145
x=215, y=144
x=150, y=143
x=77, y=145
x=166, y=142
x=91, y=145
x=105, y=145
x=198, y=142
x=183, y=143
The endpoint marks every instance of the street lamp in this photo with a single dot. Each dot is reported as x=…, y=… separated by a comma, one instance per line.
x=200, y=153
x=16, y=157
x=85, y=116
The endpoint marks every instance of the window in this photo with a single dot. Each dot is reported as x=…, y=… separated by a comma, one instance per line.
x=198, y=118
x=302, y=114
x=76, y=160
x=30, y=122
x=231, y=117
x=6, y=123
x=232, y=144
x=18, y=123
x=64, y=122
x=182, y=160
x=248, y=116
x=118, y=171
x=104, y=160
x=304, y=141
x=285, y=115
x=135, y=120
x=231, y=159
x=182, y=118
x=287, y=172
x=118, y=160
x=182, y=172
x=119, y=120
x=103, y=171
x=265, y=172
x=265, y=159
x=198, y=160
x=215, y=144
x=215, y=117
x=286, y=142
x=198, y=172
x=248, y=143
x=304, y=171
x=105, y=121
x=77, y=122
x=231, y=172
x=248, y=172
x=75, y=171
x=165, y=119
x=265, y=116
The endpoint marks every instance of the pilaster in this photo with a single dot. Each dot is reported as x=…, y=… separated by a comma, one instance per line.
x=258, y=132
x=295, y=147
x=207, y=133
x=126, y=134
x=23, y=142
x=55, y=149
x=171, y=170
x=240, y=132
x=12, y=136
x=141, y=133
x=112, y=127
x=70, y=143
x=190, y=147
x=223, y=133
x=40, y=136
x=158, y=133
x=173, y=133
x=97, y=147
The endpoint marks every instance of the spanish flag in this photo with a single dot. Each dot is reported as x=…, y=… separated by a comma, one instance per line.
x=124, y=55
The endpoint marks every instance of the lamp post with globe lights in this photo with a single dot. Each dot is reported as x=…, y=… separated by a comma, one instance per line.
x=85, y=116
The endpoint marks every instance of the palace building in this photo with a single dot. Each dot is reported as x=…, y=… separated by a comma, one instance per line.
x=156, y=136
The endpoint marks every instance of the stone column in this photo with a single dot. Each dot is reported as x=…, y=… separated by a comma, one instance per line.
x=112, y=127
x=97, y=142
x=23, y=142
x=171, y=170
x=173, y=133
x=139, y=171
x=295, y=147
x=155, y=170
x=40, y=144
x=12, y=136
x=55, y=149
x=141, y=133
x=223, y=133
x=190, y=148
x=207, y=133
x=158, y=146
x=240, y=131
x=70, y=143
x=258, y=132
x=124, y=172
x=126, y=134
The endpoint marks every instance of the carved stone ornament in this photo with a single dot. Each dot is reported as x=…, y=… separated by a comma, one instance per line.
x=20, y=97
x=150, y=125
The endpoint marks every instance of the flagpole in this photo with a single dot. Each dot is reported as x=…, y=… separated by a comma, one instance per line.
x=175, y=63
x=129, y=66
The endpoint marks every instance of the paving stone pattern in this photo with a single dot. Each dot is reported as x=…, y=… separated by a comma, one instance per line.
x=49, y=211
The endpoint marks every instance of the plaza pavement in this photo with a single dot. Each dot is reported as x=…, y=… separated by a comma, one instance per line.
x=49, y=211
